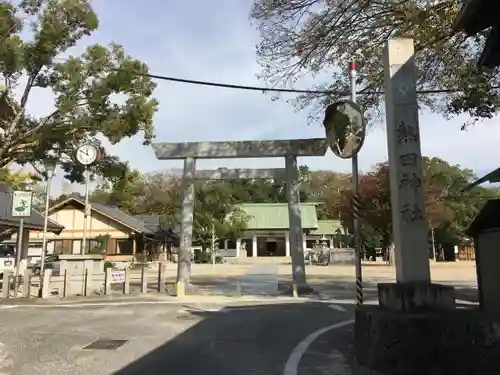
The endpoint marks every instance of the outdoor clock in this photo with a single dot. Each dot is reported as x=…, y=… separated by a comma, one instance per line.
x=87, y=154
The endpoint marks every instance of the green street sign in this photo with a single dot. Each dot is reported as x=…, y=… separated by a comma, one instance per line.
x=21, y=203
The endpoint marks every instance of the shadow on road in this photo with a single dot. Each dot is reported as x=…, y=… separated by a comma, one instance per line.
x=248, y=340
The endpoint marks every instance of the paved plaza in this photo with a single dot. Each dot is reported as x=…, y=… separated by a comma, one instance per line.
x=242, y=323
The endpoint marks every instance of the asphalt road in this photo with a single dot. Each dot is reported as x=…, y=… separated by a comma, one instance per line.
x=203, y=338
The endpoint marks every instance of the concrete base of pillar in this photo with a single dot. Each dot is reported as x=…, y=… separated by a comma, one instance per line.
x=392, y=342
x=416, y=296
x=296, y=290
x=181, y=289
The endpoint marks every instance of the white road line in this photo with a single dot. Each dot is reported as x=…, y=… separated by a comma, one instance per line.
x=337, y=308
x=292, y=364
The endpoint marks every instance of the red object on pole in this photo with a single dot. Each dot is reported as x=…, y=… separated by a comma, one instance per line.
x=352, y=66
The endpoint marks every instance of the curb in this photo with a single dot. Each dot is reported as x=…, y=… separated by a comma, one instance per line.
x=166, y=300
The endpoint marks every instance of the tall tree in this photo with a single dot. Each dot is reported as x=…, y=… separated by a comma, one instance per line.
x=375, y=203
x=449, y=207
x=215, y=211
x=17, y=179
x=103, y=92
x=319, y=36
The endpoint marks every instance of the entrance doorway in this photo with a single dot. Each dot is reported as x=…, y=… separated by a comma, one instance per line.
x=271, y=247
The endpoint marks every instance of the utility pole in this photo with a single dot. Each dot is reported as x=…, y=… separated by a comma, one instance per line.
x=345, y=128
x=355, y=201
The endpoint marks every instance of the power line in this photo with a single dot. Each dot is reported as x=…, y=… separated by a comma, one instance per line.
x=292, y=91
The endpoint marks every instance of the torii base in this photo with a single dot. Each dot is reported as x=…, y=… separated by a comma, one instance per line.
x=182, y=289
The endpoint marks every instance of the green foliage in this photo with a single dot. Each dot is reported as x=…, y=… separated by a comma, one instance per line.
x=215, y=211
x=449, y=208
x=95, y=94
x=319, y=36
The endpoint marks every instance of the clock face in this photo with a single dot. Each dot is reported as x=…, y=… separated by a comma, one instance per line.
x=86, y=154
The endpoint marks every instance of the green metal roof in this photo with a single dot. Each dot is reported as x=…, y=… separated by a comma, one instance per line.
x=275, y=215
x=327, y=227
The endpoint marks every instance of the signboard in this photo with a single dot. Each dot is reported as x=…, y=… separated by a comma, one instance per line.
x=118, y=277
x=21, y=203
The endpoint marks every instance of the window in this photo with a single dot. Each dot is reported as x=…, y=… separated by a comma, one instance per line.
x=95, y=246
x=76, y=247
x=58, y=246
x=124, y=247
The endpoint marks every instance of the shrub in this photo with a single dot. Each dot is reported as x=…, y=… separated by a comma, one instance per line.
x=201, y=256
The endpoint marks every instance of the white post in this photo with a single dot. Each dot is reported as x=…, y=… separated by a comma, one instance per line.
x=287, y=244
x=409, y=223
x=18, y=254
x=331, y=242
x=238, y=247
x=254, y=245
x=213, y=245
x=50, y=172
x=85, y=211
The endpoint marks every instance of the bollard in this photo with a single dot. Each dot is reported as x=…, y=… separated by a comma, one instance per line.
x=16, y=278
x=46, y=283
x=161, y=277
x=144, y=279
x=6, y=284
x=238, y=288
x=27, y=284
x=67, y=278
x=85, y=282
x=107, y=281
x=126, y=284
x=295, y=290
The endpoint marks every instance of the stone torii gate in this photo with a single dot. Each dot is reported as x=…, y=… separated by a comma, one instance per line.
x=288, y=149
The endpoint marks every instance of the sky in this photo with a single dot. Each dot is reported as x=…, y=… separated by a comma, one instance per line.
x=213, y=40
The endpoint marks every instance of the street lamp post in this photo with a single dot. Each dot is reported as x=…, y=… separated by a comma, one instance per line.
x=50, y=166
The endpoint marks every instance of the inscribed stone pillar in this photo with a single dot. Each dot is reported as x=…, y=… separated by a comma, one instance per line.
x=410, y=226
